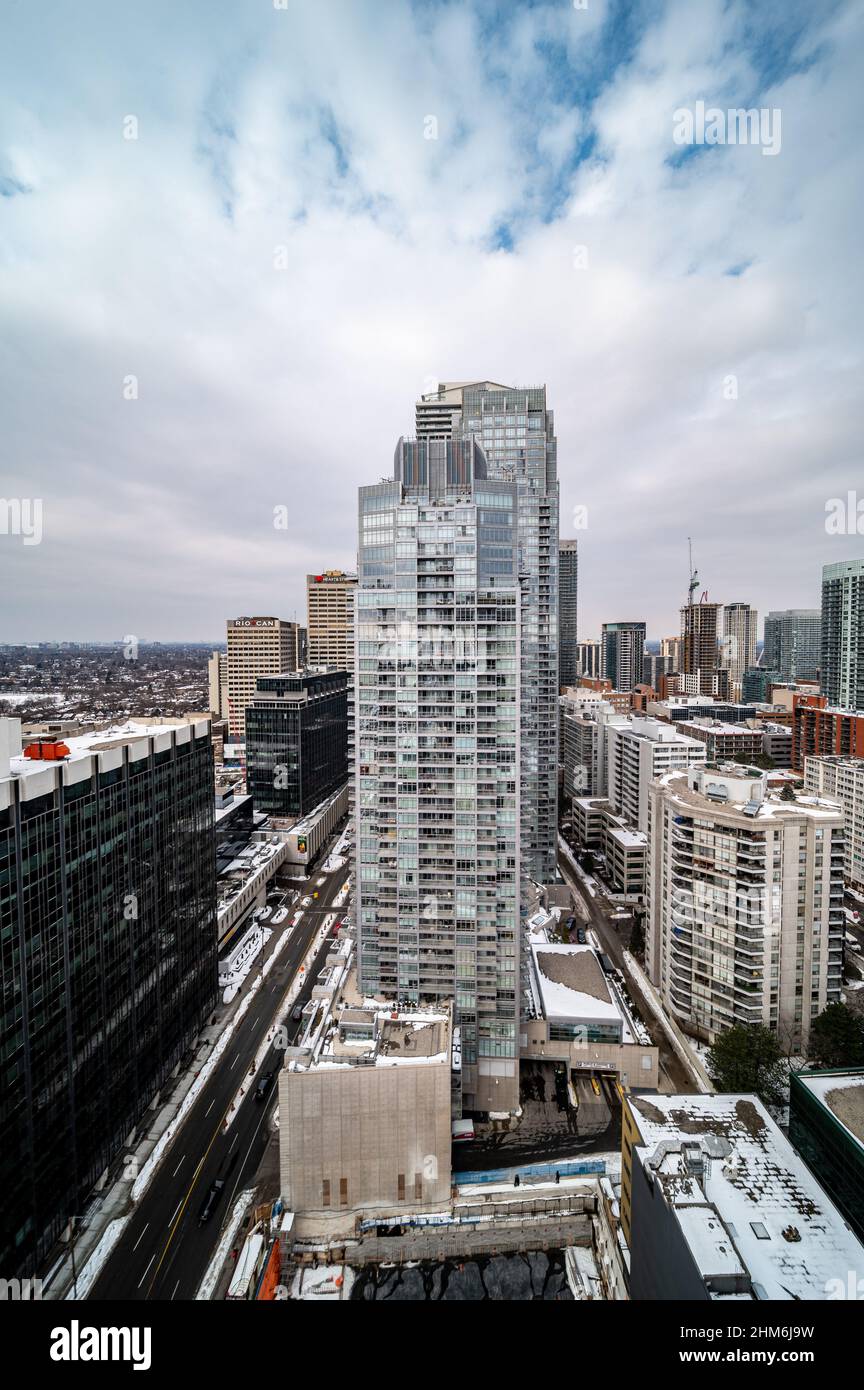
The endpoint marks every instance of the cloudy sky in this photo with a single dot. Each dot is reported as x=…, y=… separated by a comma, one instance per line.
x=331, y=204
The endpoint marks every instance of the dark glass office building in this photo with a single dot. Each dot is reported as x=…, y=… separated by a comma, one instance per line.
x=297, y=741
x=108, y=959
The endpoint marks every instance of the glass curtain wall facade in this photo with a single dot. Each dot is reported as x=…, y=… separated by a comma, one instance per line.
x=518, y=437
x=297, y=741
x=793, y=643
x=843, y=634
x=108, y=958
x=437, y=688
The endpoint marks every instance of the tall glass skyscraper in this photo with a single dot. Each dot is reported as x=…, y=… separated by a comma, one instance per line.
x=843, y=634
x=793, y=642
x=437, y=687
x=518, y=438
x=568, y=643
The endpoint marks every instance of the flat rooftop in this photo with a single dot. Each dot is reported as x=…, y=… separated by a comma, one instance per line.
x=843, y=1095
x=742, y=1195
x=106, y=739
x=572, y=984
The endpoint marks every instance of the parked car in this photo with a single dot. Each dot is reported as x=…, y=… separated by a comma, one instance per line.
x=297, y=1012
x=280, y=915
x=263, y=1086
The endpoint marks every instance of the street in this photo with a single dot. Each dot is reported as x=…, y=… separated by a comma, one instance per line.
x=164, y=1251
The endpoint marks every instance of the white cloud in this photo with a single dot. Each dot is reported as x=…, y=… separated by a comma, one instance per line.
x=261, y=386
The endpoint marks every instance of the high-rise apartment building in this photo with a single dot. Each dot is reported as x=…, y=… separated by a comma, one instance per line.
x=108, y=949
x=297, y=741
x=583, y=761
x=258, y=647
x=568, y=647
x=330, y=619
x=638, y=751
x=843, y=634
x=820, y=729
x=622, y=653
x=671, y=648
x=517, y=433
x=437, y=736
x=738, y=646
x=217, y=684
x=699, y=652
x=588, y=658
x=842, y=779
x=655, y=665
x=746, y=890
x=793, y=643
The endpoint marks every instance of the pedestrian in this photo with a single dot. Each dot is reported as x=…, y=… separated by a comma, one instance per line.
x=516, y=1180
x=557, y=1176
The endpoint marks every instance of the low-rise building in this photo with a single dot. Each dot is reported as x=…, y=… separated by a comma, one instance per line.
x=716, y=1205
x=777, y=743
x=723, y=741
x=826, y=1125
x=365, y=1103
x=581, y=1018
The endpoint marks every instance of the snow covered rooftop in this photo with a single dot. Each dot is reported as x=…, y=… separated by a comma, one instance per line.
x=743, y=1198
x=572, y=984
x=108, y=740
x=843, y=1095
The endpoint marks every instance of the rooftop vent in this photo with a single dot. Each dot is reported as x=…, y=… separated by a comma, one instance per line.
x=47, y=751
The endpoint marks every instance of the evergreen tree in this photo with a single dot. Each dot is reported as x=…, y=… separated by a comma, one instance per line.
x=748, y=1058
x=836, y=1038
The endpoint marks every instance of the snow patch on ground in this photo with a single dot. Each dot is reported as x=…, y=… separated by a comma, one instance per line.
x=97, y=1261
x=208, y=1284
x=324, y=1281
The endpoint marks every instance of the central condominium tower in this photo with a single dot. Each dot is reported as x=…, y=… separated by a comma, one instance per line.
x=518, y=438
x=437, y=690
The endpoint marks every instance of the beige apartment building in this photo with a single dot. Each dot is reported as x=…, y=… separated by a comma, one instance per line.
x=745, y=891
x=330, y=619
x=258, y=647
x=217, y=682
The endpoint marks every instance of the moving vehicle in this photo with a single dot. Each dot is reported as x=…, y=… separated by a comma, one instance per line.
x=211, y=1201
x=462, y=1131
x=264, y=1086
x=297, y=1012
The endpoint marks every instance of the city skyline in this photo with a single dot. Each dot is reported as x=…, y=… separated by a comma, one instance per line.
x=263, y=231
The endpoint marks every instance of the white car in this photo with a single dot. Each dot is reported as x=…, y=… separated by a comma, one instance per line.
x=262, y=917
x=306, y=902
x=280, y=915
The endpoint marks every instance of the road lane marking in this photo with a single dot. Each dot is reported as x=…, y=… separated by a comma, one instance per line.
x=147, y=1270
x=216, y=1133
x=139, y=1240
x=179, y=1166
x=176, y=1209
